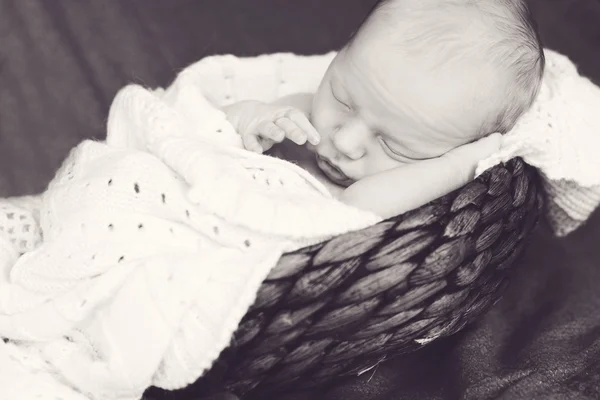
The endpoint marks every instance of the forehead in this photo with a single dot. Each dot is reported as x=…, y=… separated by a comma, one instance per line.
x=422, y=93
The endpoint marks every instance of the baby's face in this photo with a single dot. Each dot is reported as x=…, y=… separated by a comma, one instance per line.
x=377, y=109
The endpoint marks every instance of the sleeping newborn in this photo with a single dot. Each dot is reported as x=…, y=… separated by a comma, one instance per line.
x=154, y=234
x=418, y=81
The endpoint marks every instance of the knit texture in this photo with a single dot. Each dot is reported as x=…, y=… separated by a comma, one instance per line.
x=154, y=246
x=560, y=136
x=19, y=223
x=155, y=242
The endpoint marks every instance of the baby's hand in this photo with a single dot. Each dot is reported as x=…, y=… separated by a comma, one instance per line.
x=261, y=125
x=463, y=160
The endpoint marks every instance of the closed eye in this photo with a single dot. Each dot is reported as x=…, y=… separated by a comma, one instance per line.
x=337, y=98
x=395, y=154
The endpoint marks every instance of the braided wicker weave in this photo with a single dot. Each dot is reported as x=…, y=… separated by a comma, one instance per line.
x=339, y=307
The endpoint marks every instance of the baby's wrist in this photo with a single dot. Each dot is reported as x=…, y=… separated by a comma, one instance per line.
x=299, y=101
x=236, y=113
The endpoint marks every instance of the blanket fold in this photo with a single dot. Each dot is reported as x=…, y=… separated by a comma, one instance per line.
x=154, y=246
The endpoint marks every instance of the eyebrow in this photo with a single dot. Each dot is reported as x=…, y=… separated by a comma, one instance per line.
x=352, y=102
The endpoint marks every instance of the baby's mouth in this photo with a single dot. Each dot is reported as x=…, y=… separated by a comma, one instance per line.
x=333, y=172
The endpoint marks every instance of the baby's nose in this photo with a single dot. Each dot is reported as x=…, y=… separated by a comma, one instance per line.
x=350, y=140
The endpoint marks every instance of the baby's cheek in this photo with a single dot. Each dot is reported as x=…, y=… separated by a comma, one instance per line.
x=380, y=163
x=323, y=123
x=321, y=148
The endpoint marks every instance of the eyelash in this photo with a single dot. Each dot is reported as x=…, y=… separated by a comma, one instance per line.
x=383, y=142
x=388, y=148
x=338, y=100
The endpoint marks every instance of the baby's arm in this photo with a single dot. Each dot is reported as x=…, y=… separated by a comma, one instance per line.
x=300, y=101
x=406, y=188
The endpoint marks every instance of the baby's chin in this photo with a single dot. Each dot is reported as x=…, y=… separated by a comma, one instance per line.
x=333, y=173
x=311, y=147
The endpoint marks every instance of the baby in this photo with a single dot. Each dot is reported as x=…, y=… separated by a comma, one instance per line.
x=397, y=120
x=403, y=104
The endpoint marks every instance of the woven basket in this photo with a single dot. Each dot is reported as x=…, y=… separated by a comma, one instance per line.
x=340, y=307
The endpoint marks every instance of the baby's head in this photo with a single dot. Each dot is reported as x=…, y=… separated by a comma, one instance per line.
x=421, y=77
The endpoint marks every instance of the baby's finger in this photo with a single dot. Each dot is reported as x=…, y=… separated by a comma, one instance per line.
x=251, y=143
x=265, y=143
x=300, y=119
x=292, y=131
x=269, y=130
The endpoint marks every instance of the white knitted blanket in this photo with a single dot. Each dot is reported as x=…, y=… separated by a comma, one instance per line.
x=154, y=246
x=155, y=242
x=560, y=136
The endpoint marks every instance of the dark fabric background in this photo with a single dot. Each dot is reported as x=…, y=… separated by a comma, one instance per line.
x=62, y=61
